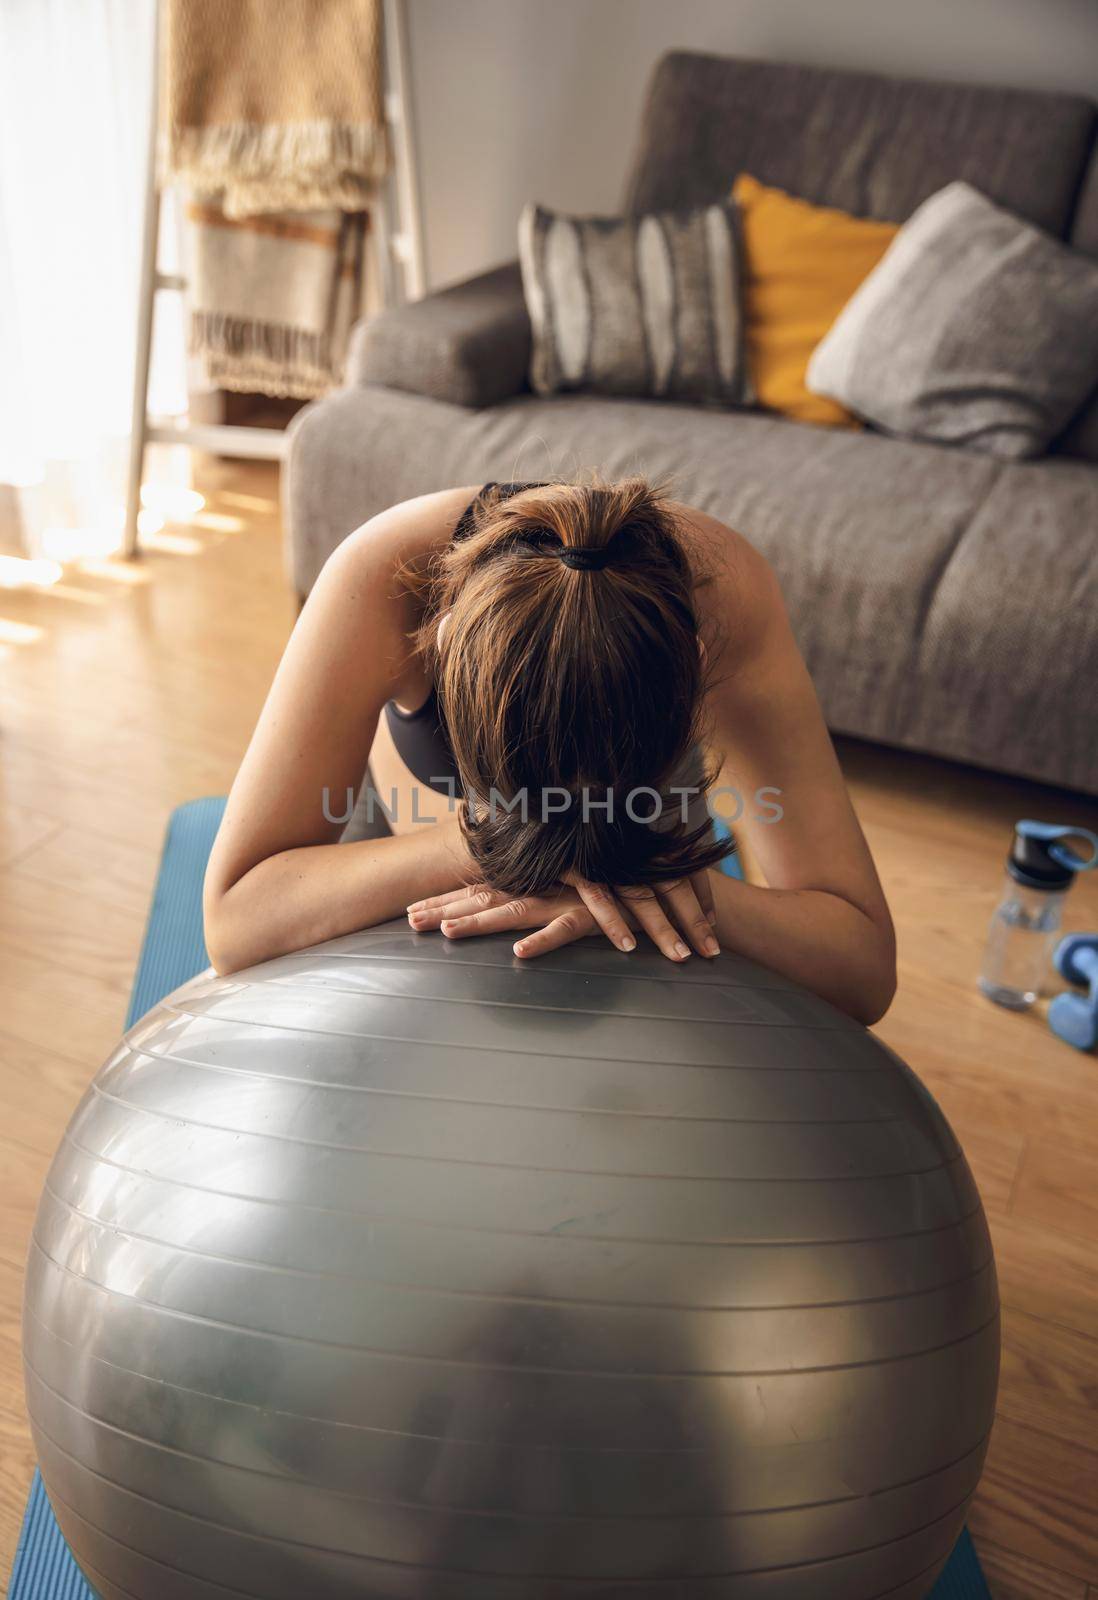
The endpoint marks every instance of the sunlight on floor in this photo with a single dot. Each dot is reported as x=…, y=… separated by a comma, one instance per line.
x=98, y=541
x=19, y=632
x=83, y=567
x=129, y=574
x=68, y=591
x=18, y=572
x=163, y=502
x=172, y=544
x=217, y=523
x=173, y=502
x=249, y=502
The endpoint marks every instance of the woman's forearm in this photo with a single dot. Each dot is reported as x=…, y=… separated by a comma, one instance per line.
x=304, y=896
x=813, y=936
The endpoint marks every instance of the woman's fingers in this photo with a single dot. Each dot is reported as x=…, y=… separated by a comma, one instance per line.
x=606, y=912
x=500, y=917
x=425, y=915
x=654, y=920
x=451, y=894
x=575, y=923
x=703, y=888
x=672, y=915
x=682, y=901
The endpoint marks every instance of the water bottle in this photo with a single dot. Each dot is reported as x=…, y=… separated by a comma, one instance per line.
x=1040, y=870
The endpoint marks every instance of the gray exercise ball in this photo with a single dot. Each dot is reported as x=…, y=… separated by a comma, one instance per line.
x=398, y=1268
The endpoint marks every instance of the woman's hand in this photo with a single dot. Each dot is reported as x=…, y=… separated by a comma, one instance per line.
x=670, y=914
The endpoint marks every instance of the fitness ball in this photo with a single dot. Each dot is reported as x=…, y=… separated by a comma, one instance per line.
x=400, y=1269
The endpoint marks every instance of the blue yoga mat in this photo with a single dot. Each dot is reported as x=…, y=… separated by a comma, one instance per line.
x=173, y=951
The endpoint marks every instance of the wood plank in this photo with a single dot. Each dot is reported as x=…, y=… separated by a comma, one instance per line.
x=22, y=829
x=1049, y=1378
x=1039, y=1497
x=1046, y=1274
x=994, y=1156
x=79, y=928
x=1014, y=1577
x=39, y=1090
x=1058, y=1184
x=25, y=1171
x=1046, y=1105
x=73, y=1013
x=35, y=782
x=116, y=872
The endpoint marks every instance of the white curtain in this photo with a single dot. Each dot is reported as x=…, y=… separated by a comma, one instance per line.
x=75, y=80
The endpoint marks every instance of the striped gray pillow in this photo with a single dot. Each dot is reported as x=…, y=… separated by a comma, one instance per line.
x=646, y=305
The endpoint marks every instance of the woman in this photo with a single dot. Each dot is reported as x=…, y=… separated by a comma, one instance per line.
x=572, y=653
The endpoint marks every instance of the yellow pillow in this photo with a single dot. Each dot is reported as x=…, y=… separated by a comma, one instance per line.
x=801, y=264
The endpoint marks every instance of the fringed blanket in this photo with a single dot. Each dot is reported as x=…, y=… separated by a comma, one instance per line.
x=274, y=297
x=274, y=120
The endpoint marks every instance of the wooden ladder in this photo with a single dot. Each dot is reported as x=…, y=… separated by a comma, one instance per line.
x=396, y=227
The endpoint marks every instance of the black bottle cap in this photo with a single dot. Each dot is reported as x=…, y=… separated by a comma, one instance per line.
x=1040, y=859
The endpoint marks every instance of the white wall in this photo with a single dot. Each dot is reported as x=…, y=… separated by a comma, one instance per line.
x=520, y=100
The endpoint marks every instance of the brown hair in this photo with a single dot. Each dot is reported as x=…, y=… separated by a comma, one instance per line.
x=555, y=676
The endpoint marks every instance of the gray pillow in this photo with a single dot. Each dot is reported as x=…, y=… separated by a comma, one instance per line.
x=974, y=328
x=644, y=305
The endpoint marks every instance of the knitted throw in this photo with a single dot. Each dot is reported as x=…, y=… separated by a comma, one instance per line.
x=273, y=118
x=275, y=105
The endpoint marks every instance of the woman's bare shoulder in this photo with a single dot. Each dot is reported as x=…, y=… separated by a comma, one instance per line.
x=738, y=591
x=406, y=532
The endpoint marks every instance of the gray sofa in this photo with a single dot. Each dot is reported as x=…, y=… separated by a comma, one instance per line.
x=944, y=601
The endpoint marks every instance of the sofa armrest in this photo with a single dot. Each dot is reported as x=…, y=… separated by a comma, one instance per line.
x=469, y=345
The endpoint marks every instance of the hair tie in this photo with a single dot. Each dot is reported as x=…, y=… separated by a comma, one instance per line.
x=585, y=560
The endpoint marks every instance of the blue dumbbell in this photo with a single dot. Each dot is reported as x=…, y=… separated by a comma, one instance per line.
x=1074, y=1017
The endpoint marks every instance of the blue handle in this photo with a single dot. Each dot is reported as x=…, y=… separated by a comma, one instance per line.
x=1066, y=858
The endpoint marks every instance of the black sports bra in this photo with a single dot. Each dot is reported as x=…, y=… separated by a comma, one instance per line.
x=420, y=737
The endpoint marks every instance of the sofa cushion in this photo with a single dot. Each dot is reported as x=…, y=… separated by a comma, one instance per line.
x=1081, y=437
x=801, y=265
x=469, y=344
x=976, y=329
x=636, y=305
x=1009, y=641
x=1084, y=222
x=871, y=145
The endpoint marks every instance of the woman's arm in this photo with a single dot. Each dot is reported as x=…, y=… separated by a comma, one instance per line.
x=815, y=936
x=277, y=878
x=300, y=897
x=823, y=918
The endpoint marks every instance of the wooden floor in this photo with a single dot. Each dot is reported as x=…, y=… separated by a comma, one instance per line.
x=125, y=690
